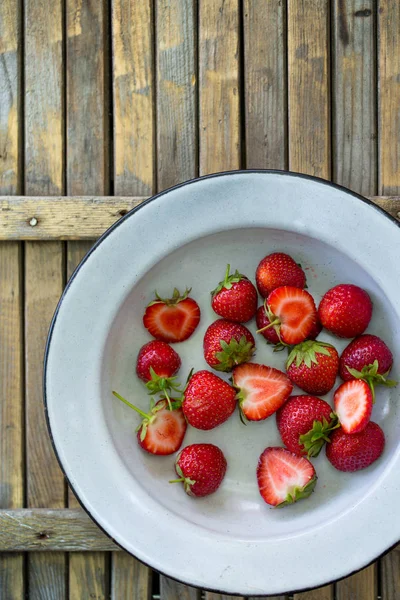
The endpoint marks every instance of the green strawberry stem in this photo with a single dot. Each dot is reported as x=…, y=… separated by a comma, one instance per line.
x=314, y=440
x=369, y=374
x=141, y=412
x=228, y=280
x=176, y=480
x=272, y=324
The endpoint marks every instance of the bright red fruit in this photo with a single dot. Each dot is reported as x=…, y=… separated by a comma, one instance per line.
x=284, y=477
x=345, y=310
x=292, y=313
x=305, y=424
x=208, y=400
x=355, y=451
x=353, y=405
x=276, y=270
x=201, y=468
x=162, y=430
x=227, y=344
x=313, y=366
x=157, y=364
x=173, y=319
x=235, y=298
x=261, y=390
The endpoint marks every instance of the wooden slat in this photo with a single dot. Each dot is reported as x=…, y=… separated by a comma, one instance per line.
x=389, y=182
x=134, y=173
x=12, y=580
x=133, y=96
x=265, y=84
x=219, y=128
x=363, y=585
x=171, y=590
x=44, y=165
x=212, y=596
x=176, y=91
x=354, y=95
x=51, y=530
x=323, y=593
x=308, y=51
x=87, y=164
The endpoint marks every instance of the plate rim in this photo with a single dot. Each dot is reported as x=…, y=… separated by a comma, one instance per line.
x=99, y=241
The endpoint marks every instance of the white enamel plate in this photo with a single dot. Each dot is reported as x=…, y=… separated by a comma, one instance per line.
x=231, y=541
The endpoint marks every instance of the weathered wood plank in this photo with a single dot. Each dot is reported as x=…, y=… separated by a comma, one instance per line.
x=390, y=575
x=308, y=52
x=176, y=91
x=51, y=530
x=133, y=96
x=212, y=596
x=130, y=579
x=265, y=84
x=354, y=95
x=171, y=590
x=362, y=585
x=323, y=593
x=12, y=579
x=219, y=105
x=44, y=173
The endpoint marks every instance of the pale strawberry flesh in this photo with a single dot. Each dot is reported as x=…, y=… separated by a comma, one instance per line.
x=284, y=477
x=296, y=312
x=262, y=390
x=164, y=434
x=353, y=405
x=174, y=323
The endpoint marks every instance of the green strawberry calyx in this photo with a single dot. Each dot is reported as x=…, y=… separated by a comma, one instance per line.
x=306, y=352
x=176, y=298
x=187, y=482
x=369, y=374
x=314, y=440
x=147, y=417
x=274, y=322
x=228, y=281
x=162, y=385
x=299, y=493
x=233, y=353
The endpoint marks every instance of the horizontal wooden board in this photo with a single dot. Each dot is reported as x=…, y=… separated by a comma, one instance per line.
x=85, y=217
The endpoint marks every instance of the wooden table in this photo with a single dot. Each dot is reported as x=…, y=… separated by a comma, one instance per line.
x=108, y=102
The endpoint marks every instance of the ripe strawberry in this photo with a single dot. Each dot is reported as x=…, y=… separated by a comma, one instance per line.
x=292, y=313
x=157, y=364
x=261, y=390
x=353, y=405
x=284, y=477
x=355, y=451
x=235, y=298
x=208, y=400
x=315, y=331
x=162, y=430
x=345, y=310
x=227, y=344
x=313, y=366
x=201, y=468
x=263, y=323
x=305, y=423
x=368, y=358
x=276, y=270
x=173, y=319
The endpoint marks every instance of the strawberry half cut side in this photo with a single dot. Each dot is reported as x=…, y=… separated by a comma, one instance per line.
x=172, y=319
x=353, y=405
x=283, y=477
x=293, y=313
x=370, y=375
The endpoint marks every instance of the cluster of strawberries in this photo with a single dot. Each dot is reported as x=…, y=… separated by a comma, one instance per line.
x=288, y=318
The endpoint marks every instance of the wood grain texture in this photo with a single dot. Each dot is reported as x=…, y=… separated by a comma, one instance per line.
x=309, y=95
x=322, y=593
x=362, y=585
x=51, y=530
x=390, y=575
x=133, y=96
x=219, y=95
x=354, y=95
x=389, y=97
x=44, y=173
x=171, y=590
x=130, y=579
x=12, y=579
x=265, y=84
x=212, y=596
x=176, y=45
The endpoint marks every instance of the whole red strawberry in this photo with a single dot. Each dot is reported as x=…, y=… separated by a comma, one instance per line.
x=208, y=400
x=201, y=468
x=368, y=358
x=172, y=319
x=313, y=366
x=292, y=313
x=345, y=310
x=305, y=423
x=276, y=270
x=235, y=298
x=157, y=364
x=227, y=344
x=355, y=451
x=162, y=430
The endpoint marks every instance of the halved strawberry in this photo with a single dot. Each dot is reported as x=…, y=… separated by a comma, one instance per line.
x=261, y=390
x=173, y=319
x=353, y=405
x=284, y=477
x=292, y=313
x=162, y=429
